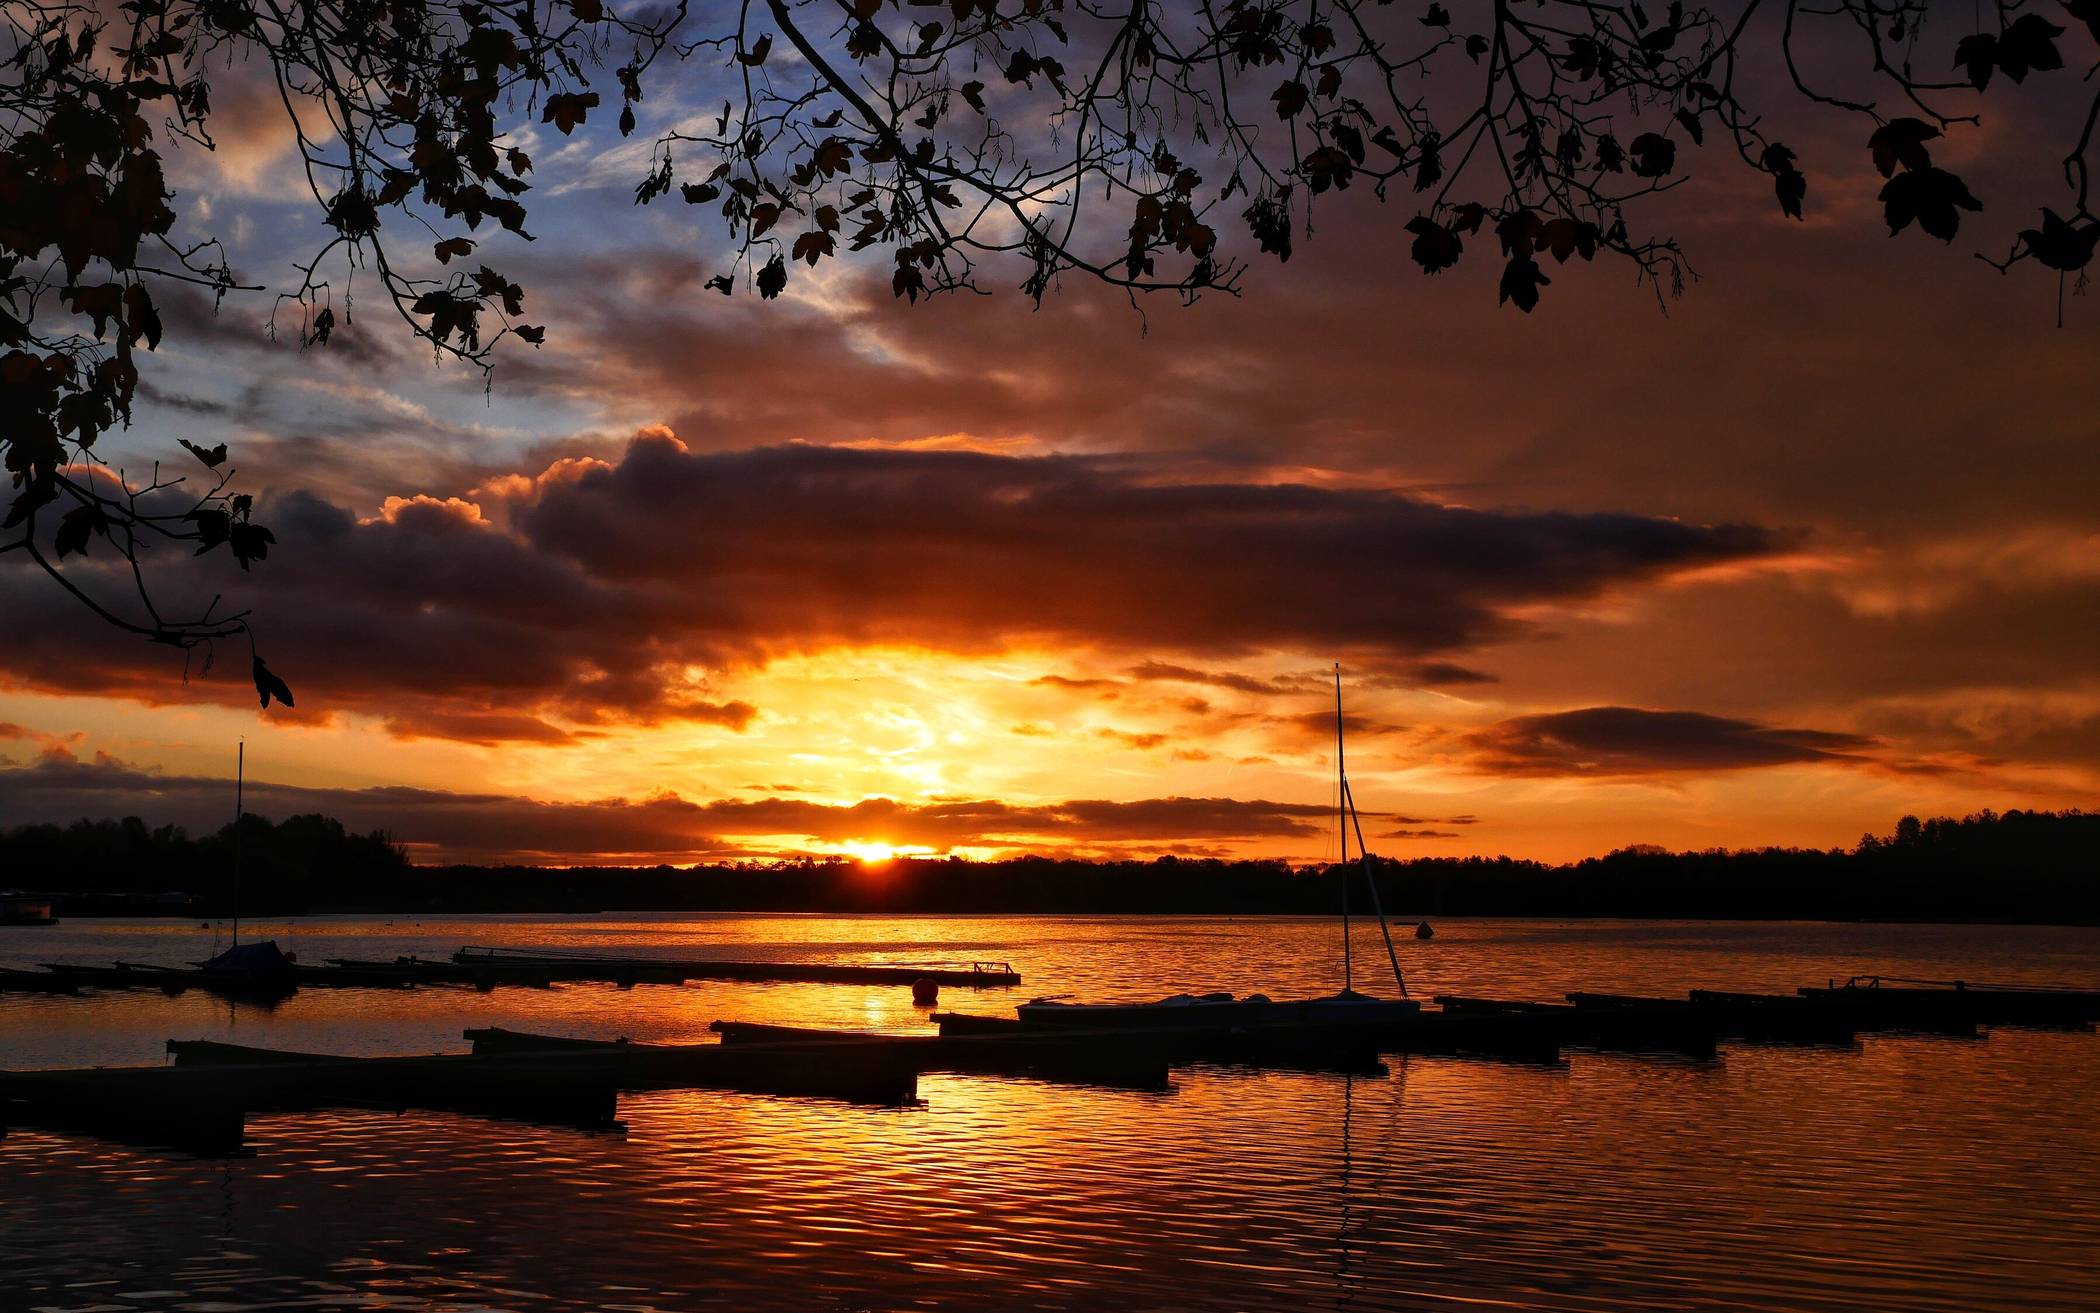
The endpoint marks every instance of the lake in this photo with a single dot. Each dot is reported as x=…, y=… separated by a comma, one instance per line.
x=1901, y=1174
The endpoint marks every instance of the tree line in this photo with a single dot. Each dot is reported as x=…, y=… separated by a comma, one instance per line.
x=2026, y=866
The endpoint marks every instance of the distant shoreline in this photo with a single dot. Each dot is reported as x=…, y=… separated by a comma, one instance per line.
x=2018, y=868
x=1401, y=919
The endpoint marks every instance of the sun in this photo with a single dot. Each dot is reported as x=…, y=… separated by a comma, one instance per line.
x=869, y=852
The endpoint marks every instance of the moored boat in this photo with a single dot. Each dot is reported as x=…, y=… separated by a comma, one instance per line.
x=1197, y=1011
x=1223, y=1011
x=18, y=908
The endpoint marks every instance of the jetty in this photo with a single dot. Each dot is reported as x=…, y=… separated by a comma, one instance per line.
x=202, y=1100
x=487, y=969
x=1895, y=998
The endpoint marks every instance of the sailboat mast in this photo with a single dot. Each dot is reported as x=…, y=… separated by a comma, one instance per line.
x=1341, y=827
x=1363, y=855
x=240, y=776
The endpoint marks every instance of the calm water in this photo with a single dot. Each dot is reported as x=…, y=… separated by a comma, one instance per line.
x=1908, y=1174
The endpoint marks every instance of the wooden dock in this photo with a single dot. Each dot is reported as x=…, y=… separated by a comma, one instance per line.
x=1985, y=1005
x=560, y=966
x=1680, y=1031
x=1338, y=1046
x=488, y=969
x=203, y=1099
x=1084, y=1060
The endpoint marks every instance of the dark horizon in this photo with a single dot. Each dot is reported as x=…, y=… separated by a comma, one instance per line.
x=2034, y=867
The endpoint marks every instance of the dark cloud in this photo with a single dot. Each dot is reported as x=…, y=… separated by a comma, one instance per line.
x=1107, y=688
x=605, y=586
x=789, y=545
x=1143, y=741
x=1445, y=674
x=439, y=825
x=1168, y=671
x=1632, y=741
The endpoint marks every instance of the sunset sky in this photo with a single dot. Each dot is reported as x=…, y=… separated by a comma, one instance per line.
x=707, y=577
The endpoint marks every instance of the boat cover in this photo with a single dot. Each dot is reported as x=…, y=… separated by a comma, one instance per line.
x=263, y=958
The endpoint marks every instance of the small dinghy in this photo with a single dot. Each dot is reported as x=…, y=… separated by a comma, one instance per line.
x=257, y=968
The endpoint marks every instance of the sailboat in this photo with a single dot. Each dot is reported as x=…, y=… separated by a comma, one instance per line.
x=1348, y=1007
x=258, y=967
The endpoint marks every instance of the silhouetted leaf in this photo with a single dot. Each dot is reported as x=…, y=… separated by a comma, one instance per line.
x=1521, y=281
x=250, y=542
x=212, y=457
x=1290, y=98
x=756, y=55
x=1437, y=16
x=2086, y=12
x=1653, y=155
x=101, y=303
x=1269, y=219
x=1519, y=232
x=76, y=527
x=813, y=246
x=772, y=278
x=832, y=157
x=568, y=109
x=1564, y=237
x=2061, y=245
x=2029, y=44
x=268, y=685
x=1787, y=180
x=1901, y=141
x=214, y=526
x=40, y=492
x=1932, y=197
x=1476, y=46
x=353, y=214
x=452, y=246
x=1979, y=55
x=1791, y=188
x=1436, y=248
x=141, y=319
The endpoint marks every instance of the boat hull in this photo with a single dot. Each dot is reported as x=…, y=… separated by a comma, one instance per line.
x=1203, y=1014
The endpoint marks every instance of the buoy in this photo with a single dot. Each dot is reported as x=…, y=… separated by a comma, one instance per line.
x=1423, y=931
x=925, y=991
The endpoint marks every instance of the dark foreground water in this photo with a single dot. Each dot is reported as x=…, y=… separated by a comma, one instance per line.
x=1907, y=1174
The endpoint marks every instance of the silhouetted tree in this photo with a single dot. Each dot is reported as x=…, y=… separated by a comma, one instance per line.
x=1145, y=144
x=2021, y=866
